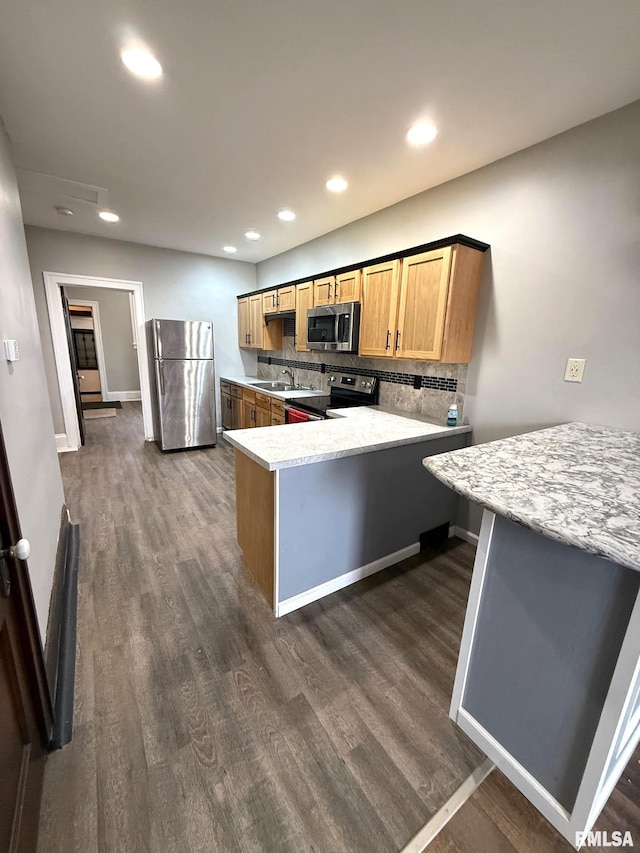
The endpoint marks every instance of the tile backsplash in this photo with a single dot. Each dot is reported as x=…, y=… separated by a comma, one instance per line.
x=440, y=384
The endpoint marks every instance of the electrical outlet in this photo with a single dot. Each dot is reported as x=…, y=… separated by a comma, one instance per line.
x=575, y=369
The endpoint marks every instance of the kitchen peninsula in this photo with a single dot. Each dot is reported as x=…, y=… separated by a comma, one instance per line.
x=548, y=679
x=321, y=505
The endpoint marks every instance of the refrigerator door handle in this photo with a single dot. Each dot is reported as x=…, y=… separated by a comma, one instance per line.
x=161, y=376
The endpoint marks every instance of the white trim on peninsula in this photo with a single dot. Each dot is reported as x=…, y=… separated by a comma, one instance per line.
x=281, y=608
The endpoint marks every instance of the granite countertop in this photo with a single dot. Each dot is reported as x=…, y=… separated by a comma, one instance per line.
x=350, y=432
x=250, y=382
x=576, y=483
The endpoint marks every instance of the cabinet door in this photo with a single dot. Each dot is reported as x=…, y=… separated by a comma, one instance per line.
x=243, y=322
x=236, y=413
x=256, y=321
x=347, y=287
x=225, y=405
x=287, y=299
x=380, y=287
x=270, y=302
x=323, y=291
x=304, y=301
x=247, y=417
x=423, y=304
x=262, y=417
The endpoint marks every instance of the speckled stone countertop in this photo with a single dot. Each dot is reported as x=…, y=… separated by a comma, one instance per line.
x=352, y=431
x=576, y=483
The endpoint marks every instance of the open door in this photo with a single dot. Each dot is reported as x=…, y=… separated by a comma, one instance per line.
x=74, y=364
x=24, y=718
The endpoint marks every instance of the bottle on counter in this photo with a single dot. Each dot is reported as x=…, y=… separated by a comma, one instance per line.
x=452, y=415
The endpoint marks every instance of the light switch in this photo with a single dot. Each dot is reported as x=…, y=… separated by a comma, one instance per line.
x=11, y=351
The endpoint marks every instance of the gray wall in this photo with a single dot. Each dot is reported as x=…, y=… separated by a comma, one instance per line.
x=25, y=413
x=120, y=358
x=177, y=285
x=561, y=279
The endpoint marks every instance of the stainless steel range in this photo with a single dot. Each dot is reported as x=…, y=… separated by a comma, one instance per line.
x=345, y=390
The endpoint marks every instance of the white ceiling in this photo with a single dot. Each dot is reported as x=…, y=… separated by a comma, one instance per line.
x=261, y=102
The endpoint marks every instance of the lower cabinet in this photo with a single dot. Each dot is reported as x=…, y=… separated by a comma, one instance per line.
x=230, y=404
x=256, y=410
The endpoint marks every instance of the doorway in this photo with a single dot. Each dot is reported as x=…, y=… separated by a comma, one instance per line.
x=53, y=283
x=86, y=333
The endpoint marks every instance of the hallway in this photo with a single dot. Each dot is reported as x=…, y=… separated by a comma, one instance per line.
x=202, y=724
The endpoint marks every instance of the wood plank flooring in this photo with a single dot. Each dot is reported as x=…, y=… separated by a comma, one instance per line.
x=201, y=723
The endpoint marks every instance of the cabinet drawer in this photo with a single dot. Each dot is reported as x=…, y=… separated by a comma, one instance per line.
x=248, y=395
x=225, y=388
x=263, y=401
x=276, y=420
x=235, y=391
x=277, y=408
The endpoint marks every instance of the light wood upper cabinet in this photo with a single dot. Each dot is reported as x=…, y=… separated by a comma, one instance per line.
x=337, y=288
x=280, y=300
x=347, y=287
x=423, y=301
x=304, y=301
x=425, y=313
x=270, y=302
x=253, y=332
x=256, y=321
x=422, y=307
x=287, y=298
x=243, y=322
x=380, y=287
x=324, y=291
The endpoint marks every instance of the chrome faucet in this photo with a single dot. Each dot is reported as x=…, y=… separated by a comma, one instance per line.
x=290, y=373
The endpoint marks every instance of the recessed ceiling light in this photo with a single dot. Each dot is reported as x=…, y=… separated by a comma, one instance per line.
x=109, y=216
x=286, y=215
x=230, y=250
x=141, y=63
x=251, y=234
x=421, y=133
x=64, y=211
x=336, y=184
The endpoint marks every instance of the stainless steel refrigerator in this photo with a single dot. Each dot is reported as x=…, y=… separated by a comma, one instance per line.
x=183, y=370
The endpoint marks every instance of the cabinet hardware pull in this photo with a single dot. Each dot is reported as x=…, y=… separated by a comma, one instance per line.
x=335, y=292
x=397, y=339
x=329, y=296
x=388, y=338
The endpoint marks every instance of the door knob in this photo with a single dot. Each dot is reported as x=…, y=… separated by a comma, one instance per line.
x=20, y=551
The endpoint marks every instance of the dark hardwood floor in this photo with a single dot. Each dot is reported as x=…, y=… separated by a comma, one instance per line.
x=203, y=724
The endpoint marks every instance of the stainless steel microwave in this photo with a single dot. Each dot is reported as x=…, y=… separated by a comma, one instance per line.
x=334, y=327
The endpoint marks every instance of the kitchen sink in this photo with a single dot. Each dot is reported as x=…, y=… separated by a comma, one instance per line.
x=272, y=386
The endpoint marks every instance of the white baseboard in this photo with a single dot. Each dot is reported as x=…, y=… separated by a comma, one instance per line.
x=467, y=535
x=62, y=446
x=123, y=396
x=316, y=592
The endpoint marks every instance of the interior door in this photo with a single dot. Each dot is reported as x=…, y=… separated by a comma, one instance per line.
x=22, y=730
x=74, y=363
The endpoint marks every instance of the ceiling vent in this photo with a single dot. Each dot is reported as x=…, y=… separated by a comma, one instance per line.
x=60, y=189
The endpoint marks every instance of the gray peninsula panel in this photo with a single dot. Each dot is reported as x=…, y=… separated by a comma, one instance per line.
x=576, y=483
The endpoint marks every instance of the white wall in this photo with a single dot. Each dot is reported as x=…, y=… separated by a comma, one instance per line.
x=561, y=279
x=25, y=413
x=120, y=358
x=177, y=285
